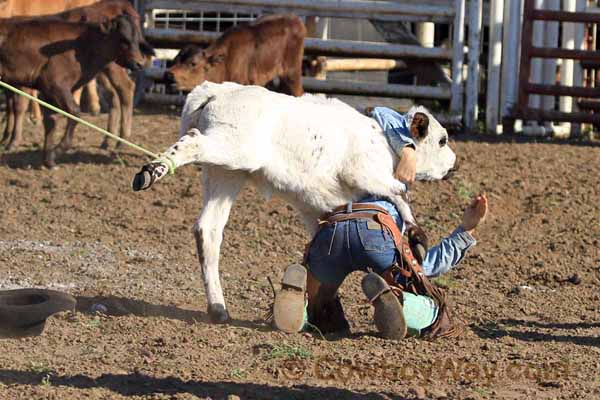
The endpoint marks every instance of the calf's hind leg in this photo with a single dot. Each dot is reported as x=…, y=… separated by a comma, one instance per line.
x=10, y=118
x=125, y=89
x=114, y=113
x=63, y=99
x=221, y=187
x=20, y=105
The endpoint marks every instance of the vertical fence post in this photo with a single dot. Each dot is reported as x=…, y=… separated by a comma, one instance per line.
x=536, y=63
x=525, y=65
x=549, y=64
x=475, y=20
x=566, y=69
x=494, y=61
x=510, y=56
x=458, y=54
x=580, y=5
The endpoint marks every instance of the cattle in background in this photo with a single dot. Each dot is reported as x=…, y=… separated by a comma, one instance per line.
x=255, y=54
x=11, y=8
x=114, y=78
x=58, y=57
x=30, y=8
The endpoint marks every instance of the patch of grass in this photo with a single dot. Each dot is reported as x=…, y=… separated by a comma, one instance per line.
x=39, y=367
x=46, y=380
x=81, y=252
x=446, y=282
x=95, y=323
x=480, y=391
x=238, y=373
x=287, y=351
x=464, y=190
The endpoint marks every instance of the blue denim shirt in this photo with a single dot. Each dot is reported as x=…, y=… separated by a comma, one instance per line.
x=395, y=128
x=442, y=257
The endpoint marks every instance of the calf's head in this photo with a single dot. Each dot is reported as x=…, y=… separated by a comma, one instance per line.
x=123, y=33
x=192, y=66
x=435, y=158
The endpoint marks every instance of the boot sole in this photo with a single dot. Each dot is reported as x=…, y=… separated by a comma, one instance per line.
x=288, y=310
x=388, y=316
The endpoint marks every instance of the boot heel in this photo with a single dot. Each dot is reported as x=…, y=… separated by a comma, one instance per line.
x=288, y=310
x=388, y=315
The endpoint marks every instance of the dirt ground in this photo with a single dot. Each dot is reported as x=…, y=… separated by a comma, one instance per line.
x=528, y=293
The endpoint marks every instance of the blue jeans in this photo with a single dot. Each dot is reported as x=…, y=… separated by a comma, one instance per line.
x=343, y=247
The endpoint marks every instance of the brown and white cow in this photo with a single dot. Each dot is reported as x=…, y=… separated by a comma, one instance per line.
x=255, y=54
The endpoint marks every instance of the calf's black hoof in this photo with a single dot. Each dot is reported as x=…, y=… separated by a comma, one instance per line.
x=23, y=312
x=142, y=181
x=218, y=314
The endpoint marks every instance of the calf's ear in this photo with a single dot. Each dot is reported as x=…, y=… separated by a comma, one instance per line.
x=419, y=126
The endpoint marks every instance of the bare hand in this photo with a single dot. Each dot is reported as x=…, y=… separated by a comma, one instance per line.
x=406, y=170
x=475, y=213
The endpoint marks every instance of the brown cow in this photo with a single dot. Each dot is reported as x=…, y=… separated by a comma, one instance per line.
x=10, y=8
x=58, y=57
x=114, y=78
x=271, y=47
x=29, y=8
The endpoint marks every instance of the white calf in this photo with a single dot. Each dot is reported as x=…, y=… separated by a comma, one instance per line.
x=315, y=153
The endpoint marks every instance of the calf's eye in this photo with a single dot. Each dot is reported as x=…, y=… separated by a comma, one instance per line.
x=443, y=141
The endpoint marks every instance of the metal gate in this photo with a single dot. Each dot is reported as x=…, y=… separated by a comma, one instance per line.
x=588, y=58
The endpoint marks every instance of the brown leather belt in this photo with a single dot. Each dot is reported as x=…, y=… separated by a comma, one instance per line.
x=352, y=211
x=346, y=217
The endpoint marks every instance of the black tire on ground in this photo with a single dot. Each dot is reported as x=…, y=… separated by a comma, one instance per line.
x=23, y=312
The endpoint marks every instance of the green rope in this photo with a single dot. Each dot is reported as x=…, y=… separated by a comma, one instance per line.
x=165, y=159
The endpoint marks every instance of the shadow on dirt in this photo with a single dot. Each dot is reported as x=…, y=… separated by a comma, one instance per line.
x=551, y=325
x=493, y=330
x=120, y=306
x=142, y=385
x=27, y=159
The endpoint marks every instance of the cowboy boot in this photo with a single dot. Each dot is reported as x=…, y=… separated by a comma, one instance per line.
x=389, y=314
x=289, y=309
x=329, y=317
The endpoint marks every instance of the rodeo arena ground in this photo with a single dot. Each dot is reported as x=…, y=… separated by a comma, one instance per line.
x=300, y=199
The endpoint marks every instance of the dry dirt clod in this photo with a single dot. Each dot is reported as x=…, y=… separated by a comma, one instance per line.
x=435, y=393
x=418, y=392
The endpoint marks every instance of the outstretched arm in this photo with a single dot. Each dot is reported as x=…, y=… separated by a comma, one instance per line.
x=452, y=249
